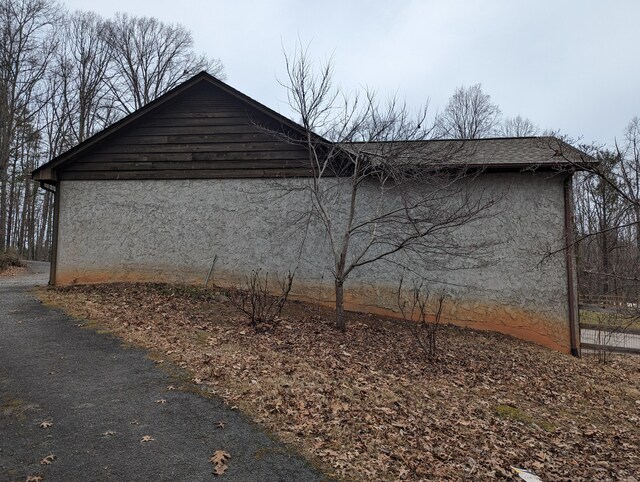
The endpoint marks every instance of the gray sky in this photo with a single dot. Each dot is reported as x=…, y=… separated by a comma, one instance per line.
x=566, y=64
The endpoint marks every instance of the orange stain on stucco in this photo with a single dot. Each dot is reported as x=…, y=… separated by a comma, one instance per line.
x=552, y=332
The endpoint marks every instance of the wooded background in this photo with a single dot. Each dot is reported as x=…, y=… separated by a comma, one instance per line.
x=63, y=77
x=607, y=215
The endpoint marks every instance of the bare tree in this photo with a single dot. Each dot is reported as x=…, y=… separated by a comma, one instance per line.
x=27, y=42
x=470, y=114
x=606, y=240
x=149, y=58
x=519, y=127
x=608, y=207
x=63, y=77
x=82, y=66
x=630, y=172
x=376, y=190
x=600, y=211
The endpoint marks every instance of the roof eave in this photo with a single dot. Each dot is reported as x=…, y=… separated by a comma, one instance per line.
x=45, y=174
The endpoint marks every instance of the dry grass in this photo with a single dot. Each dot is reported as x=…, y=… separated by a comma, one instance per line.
x=620, y=320
x=365, y=406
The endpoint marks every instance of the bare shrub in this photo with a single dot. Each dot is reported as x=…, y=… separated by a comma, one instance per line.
x=256, y=300
x=610, y=329
x=421, y=314
x=8, y=259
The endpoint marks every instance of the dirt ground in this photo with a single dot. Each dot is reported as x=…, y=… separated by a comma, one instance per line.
x=367, y=405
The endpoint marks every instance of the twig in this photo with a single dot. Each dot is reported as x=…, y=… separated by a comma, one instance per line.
x=206, y=281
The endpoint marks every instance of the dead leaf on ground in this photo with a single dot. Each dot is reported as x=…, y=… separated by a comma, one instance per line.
x=220, y=469
x=377, y=410
x=161, y=401
x=221, y=424
x=147, y=438
x=48, y=459
x=34, y=478
x=46, y=424
x=108, y=433
x=220, y=457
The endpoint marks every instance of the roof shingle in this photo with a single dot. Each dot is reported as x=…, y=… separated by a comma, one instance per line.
x=491, y=152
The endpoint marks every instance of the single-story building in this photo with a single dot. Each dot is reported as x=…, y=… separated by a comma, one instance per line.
x=192, y=177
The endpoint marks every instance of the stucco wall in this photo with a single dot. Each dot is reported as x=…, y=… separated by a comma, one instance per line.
x=171, y=230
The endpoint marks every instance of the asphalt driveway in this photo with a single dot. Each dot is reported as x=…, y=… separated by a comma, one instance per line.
x=103, y=399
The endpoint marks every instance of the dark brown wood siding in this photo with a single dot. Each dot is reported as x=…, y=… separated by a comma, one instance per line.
x=204, y=133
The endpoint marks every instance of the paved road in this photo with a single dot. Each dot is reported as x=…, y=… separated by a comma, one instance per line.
x=621, y=340
x=101, y=398
x=626, y=340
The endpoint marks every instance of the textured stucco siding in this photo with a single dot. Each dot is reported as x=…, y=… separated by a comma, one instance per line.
x=171, y=230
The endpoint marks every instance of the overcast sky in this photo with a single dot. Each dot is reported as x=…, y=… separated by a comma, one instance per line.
x=566, y=64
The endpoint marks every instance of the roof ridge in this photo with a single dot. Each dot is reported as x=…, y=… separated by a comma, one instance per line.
x=465, y=139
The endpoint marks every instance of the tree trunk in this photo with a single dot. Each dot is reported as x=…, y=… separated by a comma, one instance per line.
x=606, y=263
x=31, y=228
x=42, y=232
x=12, y=209
x=3, y=213
x=24, y=221
x=341, y=322
x=637, y=220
